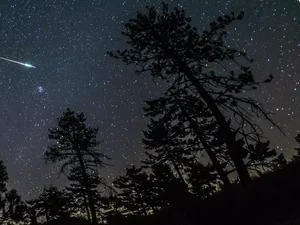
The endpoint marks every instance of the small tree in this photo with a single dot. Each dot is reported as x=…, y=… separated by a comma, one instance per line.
x=135, y=189
x=51, y=204
x=13, y=208
x=166, y=188
x=144, y=193
x=31, y=212
x=75, y=145
x=111, y=205
x=203, y=180
x=168, y=148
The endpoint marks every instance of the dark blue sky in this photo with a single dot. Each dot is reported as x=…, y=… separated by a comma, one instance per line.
x=67, y=41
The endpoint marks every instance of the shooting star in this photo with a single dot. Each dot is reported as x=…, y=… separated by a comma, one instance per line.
x=20, y=63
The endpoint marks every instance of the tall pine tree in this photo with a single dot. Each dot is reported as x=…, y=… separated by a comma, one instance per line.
x=166, y=46
x=75, y=145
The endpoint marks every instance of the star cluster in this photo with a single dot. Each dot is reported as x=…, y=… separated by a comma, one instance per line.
x=67, y=41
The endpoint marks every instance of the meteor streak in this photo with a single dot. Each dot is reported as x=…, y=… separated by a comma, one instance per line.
x=20, y=63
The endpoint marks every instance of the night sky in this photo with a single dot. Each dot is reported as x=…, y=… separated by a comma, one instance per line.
x=67, y=41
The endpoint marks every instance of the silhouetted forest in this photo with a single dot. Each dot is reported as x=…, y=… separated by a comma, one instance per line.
x=206, y=158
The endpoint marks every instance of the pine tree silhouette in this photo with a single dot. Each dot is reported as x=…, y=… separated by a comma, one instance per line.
x=166, y=188
x=166, y=46
x=135, y=189
x=167, y=147
x=51, y=204
x=191, y=125
x=14, y=208
x=31, y=211
x=76, y=146
x=203, y=180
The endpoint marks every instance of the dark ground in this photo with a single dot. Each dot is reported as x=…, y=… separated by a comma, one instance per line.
x=271, y=199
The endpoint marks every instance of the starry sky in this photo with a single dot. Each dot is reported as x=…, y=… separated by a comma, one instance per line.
x=67, y=41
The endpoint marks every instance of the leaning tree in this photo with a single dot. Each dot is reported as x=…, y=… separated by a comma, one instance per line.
x=166, y=46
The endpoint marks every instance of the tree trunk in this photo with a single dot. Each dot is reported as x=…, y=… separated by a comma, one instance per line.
x=142, y=205
x=215, y=162
x=207, y=148
x=176, y=168
x=87, y=187
x=47, y=214
x=92, y=207
x=228, y=135
x=86, y=206
x=32, y=215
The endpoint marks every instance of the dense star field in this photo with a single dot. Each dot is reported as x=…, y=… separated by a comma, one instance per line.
x=67, y=41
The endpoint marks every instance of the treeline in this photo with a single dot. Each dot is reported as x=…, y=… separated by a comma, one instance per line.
x=201, y=140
